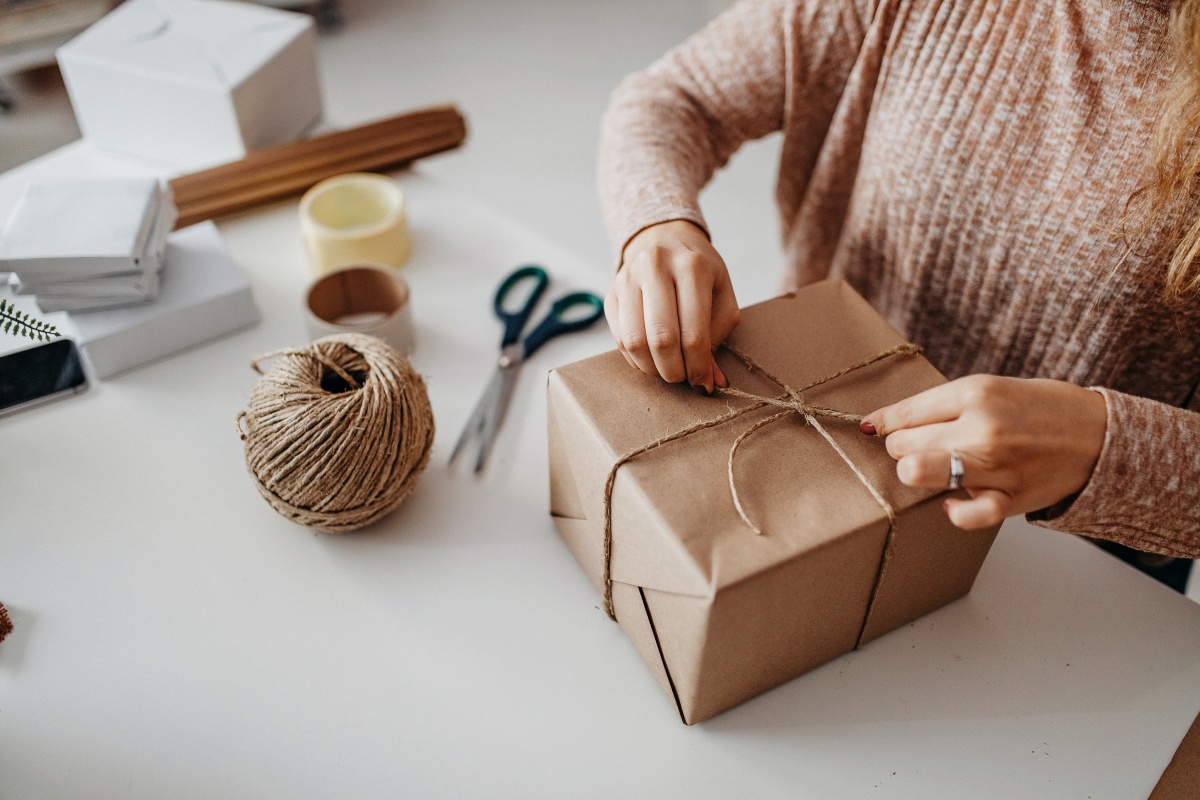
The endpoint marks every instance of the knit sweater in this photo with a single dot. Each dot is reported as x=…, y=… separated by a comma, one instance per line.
x=964, y=165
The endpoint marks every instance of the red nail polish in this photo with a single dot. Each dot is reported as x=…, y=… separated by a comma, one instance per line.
x=867, y=428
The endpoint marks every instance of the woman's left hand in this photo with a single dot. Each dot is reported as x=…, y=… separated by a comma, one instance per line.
x=1024, y=443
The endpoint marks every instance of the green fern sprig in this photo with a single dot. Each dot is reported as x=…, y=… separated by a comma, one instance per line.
x=21, y=324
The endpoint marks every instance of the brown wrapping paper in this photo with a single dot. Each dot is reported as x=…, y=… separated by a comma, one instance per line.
x=1182, y=776
x=719, y=613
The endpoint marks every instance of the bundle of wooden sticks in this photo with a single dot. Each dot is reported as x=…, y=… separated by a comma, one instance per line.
x=285, y=169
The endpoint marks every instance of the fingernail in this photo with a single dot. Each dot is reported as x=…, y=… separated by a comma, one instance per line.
x=721, y=380
x=700, y=390
x=867, y=428
x=946, y=507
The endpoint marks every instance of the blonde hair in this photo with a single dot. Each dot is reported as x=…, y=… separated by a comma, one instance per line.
x=1175, y=168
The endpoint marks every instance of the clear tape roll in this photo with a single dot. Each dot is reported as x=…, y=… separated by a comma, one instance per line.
x=358, y=217
x=362, y=298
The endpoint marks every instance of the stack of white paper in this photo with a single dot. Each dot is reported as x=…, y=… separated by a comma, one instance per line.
x=205, y=294
x=81, y=245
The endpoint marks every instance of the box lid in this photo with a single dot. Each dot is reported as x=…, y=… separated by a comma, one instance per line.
x=207, y=42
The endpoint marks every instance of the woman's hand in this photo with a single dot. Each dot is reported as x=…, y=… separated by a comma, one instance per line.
x=672, y=303
x=1024, y=443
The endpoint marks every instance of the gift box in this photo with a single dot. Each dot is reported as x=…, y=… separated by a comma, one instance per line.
x=193, y=82
x=746, y=538
x=203, y=294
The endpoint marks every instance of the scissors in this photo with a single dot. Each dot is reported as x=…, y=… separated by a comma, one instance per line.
x=492, y=406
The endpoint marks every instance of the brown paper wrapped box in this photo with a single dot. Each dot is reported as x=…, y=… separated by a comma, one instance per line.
x=718, y=612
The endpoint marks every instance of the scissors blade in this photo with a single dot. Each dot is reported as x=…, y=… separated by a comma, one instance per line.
x=505, y=382
x=478, y=419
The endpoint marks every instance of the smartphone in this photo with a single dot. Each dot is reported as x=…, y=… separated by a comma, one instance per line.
x=40, y=374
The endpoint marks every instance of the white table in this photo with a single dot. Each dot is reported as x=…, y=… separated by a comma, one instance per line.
x=176, y=638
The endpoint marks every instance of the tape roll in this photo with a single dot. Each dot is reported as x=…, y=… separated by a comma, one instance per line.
x=355, y=218
x=362, y=298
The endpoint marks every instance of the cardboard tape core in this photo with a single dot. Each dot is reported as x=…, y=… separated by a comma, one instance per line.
x=362, y=298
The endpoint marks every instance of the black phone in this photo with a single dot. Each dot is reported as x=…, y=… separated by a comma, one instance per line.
x=39, y=374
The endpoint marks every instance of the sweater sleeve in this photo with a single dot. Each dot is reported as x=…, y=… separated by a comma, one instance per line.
x=670, y=127
x=1145, y=489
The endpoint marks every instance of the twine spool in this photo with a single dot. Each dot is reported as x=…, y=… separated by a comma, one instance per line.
x=338, y=432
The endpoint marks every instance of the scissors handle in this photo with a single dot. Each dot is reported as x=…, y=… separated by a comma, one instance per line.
x=514, y=321
x=555, y=325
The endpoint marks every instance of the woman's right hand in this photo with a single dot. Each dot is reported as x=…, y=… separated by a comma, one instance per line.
x=671, y=304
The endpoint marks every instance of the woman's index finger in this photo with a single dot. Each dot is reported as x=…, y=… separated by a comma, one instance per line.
x=940, y=404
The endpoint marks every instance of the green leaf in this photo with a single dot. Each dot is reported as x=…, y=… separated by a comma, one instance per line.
x=19, y=323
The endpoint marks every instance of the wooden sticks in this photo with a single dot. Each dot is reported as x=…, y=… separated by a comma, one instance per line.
x=293, y=167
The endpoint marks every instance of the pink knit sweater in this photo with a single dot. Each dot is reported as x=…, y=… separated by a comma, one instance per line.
x=964, y=166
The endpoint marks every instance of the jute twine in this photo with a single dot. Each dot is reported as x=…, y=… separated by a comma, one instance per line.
x=338, y=432
x=792, y=403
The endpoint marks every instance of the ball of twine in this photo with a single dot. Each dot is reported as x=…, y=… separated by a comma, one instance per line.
x=338, y=432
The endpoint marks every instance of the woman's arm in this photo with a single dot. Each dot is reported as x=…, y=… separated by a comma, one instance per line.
x=761, y=66
x=1145, y=490
x=1087, y=461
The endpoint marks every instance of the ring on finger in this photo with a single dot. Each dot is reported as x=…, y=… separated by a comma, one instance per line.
x=956, y=470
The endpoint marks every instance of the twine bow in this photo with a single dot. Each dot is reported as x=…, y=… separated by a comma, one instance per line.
x=790, y=402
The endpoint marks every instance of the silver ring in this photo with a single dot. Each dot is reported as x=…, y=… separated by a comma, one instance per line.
x=956, y=470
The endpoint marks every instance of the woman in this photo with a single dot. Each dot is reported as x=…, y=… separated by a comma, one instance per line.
x=1012, y=183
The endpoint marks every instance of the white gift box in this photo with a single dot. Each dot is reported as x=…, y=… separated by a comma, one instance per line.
x=72, y=230
x=193, y=82
x=203, y=294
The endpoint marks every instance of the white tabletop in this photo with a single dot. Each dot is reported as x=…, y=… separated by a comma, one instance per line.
x=176, y=638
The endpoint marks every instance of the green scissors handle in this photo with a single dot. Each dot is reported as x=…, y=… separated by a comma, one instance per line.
x=514, y=321
x=558, y=322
